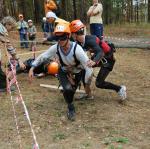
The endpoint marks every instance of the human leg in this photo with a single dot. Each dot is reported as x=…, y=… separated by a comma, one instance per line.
x=2, y=80
x=25, y=40
x=87, y=87
x=101, y=83
x=98, y=30
x=68, y=93
x=92, y=29
x=21, y=41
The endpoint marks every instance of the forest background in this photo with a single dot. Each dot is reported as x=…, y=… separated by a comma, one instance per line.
x=115, y=11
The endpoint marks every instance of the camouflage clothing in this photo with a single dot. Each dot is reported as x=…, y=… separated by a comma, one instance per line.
x=4, y=39
x=11, y=50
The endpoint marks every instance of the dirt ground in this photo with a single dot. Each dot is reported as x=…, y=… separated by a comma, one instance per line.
x=102, y=123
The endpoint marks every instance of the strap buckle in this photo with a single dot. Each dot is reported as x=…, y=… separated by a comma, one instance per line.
x=104, y=60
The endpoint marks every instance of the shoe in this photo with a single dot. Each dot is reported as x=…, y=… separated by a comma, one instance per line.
x=85, y=97
x=122, y=93
x=71, y=112
x=40, y=75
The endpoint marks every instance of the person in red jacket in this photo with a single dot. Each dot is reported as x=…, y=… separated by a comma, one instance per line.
x=103, y=57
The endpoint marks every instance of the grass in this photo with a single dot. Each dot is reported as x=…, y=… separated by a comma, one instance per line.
x=86, y=145
x=118, y=141
x=113, y=147
x=59, y=136
x=129, y=30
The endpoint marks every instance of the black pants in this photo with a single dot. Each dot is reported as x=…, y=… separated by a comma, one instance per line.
x=104, y=71
x=2, y=79
x=68, y=88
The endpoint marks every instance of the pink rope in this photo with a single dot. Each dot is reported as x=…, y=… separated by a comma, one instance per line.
x=13, y=81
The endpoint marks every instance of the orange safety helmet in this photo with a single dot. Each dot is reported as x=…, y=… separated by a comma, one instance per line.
x=62, y=28
x=76, y=25
x=52, y=68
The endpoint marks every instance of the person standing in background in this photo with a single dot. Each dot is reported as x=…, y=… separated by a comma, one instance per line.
x=7, y=24
x=22, y=27
x=44, y=27
x=31, y=34
x=49, y=5
x=96, y=22
x=53, y=20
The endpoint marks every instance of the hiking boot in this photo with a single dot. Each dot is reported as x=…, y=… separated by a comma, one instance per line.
x=85, y=97
x=122, y=93
x=71, y=112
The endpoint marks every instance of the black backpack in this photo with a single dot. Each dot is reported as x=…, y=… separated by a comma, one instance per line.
x=112, y=46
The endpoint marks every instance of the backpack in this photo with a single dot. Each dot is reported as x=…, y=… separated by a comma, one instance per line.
x=112, y=46
x=106, y=46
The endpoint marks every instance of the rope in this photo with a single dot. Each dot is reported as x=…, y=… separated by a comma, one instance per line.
x=23, y=103
x=12, y=80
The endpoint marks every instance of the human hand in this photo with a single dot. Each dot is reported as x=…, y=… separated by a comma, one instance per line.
x=22, y=65
x=55, y=59
x=31, y=74
x=44, y=39
x=90, y=63
x=95, y=4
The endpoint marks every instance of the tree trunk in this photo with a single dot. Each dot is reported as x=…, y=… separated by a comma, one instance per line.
x=37, y=10
x=137, y=12
x=149, y=11
x=74, y=9
x=1, y=9
x=131, y=10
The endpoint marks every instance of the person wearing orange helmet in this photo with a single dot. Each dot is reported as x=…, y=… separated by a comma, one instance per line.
x=47, y=68
x=103, y=57
x=72, y=60
x=52, y=21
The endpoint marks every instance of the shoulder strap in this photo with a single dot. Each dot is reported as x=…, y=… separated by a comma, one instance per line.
x=74, y=54
x=60, y=59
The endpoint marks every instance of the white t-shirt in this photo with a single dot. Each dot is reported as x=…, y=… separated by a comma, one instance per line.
x=68, y=59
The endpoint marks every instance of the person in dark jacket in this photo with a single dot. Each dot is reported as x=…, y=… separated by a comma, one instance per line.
x=103, y=57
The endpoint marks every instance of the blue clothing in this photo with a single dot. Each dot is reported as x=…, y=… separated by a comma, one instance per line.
x=24, y=40
x=22, y=28
x=97, y=29
x=47, y=29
